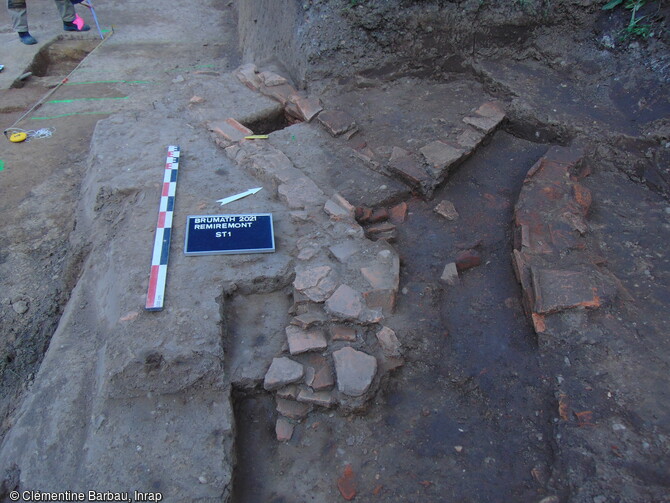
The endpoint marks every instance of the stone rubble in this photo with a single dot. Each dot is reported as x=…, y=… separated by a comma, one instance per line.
x=282, y=371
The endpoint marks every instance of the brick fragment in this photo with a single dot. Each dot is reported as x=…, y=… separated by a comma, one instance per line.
x=292, y=409
x=302, y=341
x=342, y=333
x=284, y=429
x=447, y=210
x=558, y=290
x=271, y=79
x=320, y=398
x=247, y=74
x=389, y=342
x=346, y=302
x=282, y=371
x=468, y=259
x=407, y=168
x=347, y=484
x=230, y=129
x=337, y=122
x=342, y=251
x=307, y=108
x=398, y=213
x=300, y=193
x=470, y=138
x=280, y=93
x=441, y=156
x=317, y=283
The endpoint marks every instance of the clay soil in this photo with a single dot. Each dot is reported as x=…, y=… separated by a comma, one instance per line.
x=472, y=414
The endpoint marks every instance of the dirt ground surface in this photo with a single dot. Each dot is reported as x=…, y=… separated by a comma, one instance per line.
x=491, y=396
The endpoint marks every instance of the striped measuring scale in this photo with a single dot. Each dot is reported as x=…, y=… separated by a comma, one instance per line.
x=159, y=260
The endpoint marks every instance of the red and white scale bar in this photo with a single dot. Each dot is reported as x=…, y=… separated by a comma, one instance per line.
x=159, y=260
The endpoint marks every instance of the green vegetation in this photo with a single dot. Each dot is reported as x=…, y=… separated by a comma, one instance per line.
x=635, y=26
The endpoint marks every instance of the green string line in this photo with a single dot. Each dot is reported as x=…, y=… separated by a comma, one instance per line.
x=88, y=99
x=108, y=82
x=68, y=115
x=2, y=165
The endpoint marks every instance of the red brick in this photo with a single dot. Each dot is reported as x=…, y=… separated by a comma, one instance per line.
x=347, y=483
x=337, y=122
x=468, y=259
x=379, y=215
x=230, y=129
x=398, y=213
x=307, y=108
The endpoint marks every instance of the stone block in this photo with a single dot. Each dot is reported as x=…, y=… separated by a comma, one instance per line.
x=302, y=341
x=292, y=409
x=381, y=299
x=450, y=274
x=300, y=193
x=355, y=371
x=337, y=122
x=282, y=371
x=389, y=342
x=230, y=129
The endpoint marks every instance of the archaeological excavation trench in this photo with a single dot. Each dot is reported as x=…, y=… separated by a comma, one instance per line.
x=467, y=298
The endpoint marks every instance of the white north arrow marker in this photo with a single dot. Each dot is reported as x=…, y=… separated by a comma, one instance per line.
x=230, y=199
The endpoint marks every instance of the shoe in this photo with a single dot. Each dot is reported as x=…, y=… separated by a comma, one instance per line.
x=27, y=38
x=76, y=25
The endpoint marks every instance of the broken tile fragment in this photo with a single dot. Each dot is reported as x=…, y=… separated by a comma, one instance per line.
x=271, y=79
x=355, y=370
x=282, y=371
x=468, y=259
x=342, y=251
x=306, y=320
x=289, y=392
x=317, y=283
x=346, y=303
x=407, y=168
x=306, y=108
x=389, y=342
x=280, y=92
x=450, y=274
x=492, y=109
x=347, y=484
x=284, y=429
x=484, y=124
x=342, y=333
x=320, y=376
x=447, y=210
x=470, y=138
x=301, y=341
x=398, y=213
x=320, y=398
x=247, y=74
x=292, y=409
x=230, y=129
x=196, y=100
x=335, y=211
x=337, y=122
x=439, y=155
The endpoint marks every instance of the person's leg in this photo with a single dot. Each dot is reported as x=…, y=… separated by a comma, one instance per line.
x=19, y=14
x=66, y=10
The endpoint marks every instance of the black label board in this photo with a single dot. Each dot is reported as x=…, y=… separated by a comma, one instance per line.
x=211, y=234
